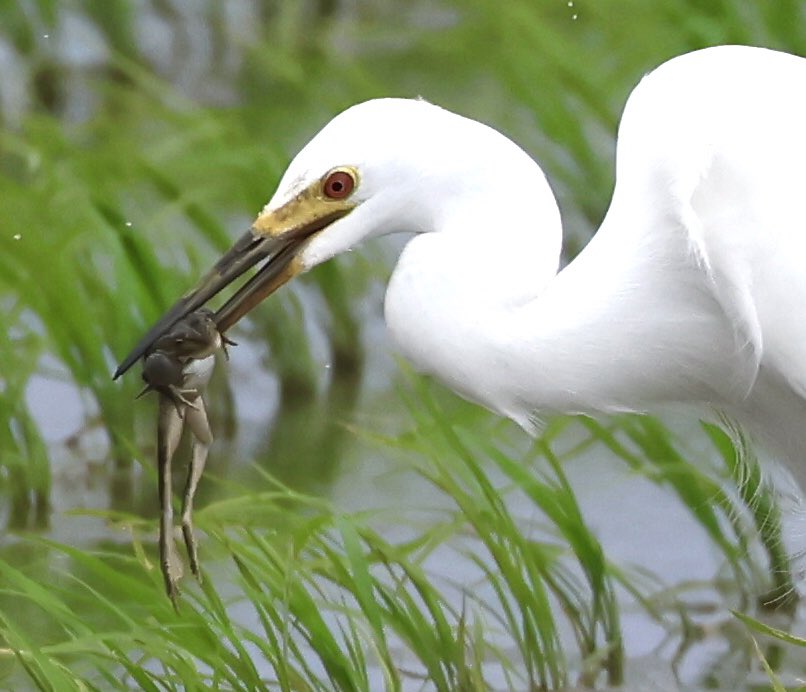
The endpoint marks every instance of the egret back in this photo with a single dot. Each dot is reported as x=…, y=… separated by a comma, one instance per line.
x=689, y=292
x=716, y=140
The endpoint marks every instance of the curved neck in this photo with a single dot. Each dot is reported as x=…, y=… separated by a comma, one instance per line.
x=630, y=324
x=626, y=326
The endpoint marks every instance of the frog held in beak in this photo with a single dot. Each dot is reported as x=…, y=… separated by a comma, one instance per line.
x=277, y=239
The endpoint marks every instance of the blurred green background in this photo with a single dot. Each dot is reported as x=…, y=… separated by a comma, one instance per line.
x=138, y=139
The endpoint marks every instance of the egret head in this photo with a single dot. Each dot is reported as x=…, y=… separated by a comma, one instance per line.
x=370, y=171
x=385, y=166
x=382, y=166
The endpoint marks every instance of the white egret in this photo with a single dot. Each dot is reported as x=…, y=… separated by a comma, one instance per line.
x=689, y=292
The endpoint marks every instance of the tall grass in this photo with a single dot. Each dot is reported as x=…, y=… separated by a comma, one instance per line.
x=110, y=210
x=299, y=594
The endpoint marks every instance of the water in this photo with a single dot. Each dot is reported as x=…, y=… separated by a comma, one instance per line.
x=642, y=526
x=639, y=523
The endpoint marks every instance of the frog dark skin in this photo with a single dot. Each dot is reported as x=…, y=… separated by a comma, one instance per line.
x=194, y=337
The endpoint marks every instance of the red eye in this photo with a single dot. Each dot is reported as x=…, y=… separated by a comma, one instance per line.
x=338, y=184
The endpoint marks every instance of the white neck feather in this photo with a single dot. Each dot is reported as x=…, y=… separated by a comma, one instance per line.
x=479, y=305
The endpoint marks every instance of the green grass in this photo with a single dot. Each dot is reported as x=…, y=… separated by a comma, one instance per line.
x=109, y=216
x=306, y=596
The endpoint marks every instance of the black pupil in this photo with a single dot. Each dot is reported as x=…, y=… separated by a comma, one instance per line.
x=337, y=186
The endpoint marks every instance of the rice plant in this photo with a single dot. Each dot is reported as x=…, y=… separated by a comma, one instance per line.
x=127, y=166
x=300, y=594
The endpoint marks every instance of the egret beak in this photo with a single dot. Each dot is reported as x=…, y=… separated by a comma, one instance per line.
x=277, y=236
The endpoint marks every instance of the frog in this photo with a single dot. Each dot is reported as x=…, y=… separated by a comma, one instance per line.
x=178, y=368
x=170, y=366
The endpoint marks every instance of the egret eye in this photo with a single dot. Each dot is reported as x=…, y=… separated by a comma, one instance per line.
x=338, y=184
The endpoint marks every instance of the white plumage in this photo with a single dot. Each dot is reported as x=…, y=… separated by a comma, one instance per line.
x=691, y=291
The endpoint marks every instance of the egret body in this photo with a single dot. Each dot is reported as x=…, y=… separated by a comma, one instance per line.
x=691, y=291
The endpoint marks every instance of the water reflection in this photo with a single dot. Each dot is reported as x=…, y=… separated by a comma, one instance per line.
x=308, y=438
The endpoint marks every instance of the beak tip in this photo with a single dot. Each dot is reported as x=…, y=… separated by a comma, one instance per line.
x=125, y=365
